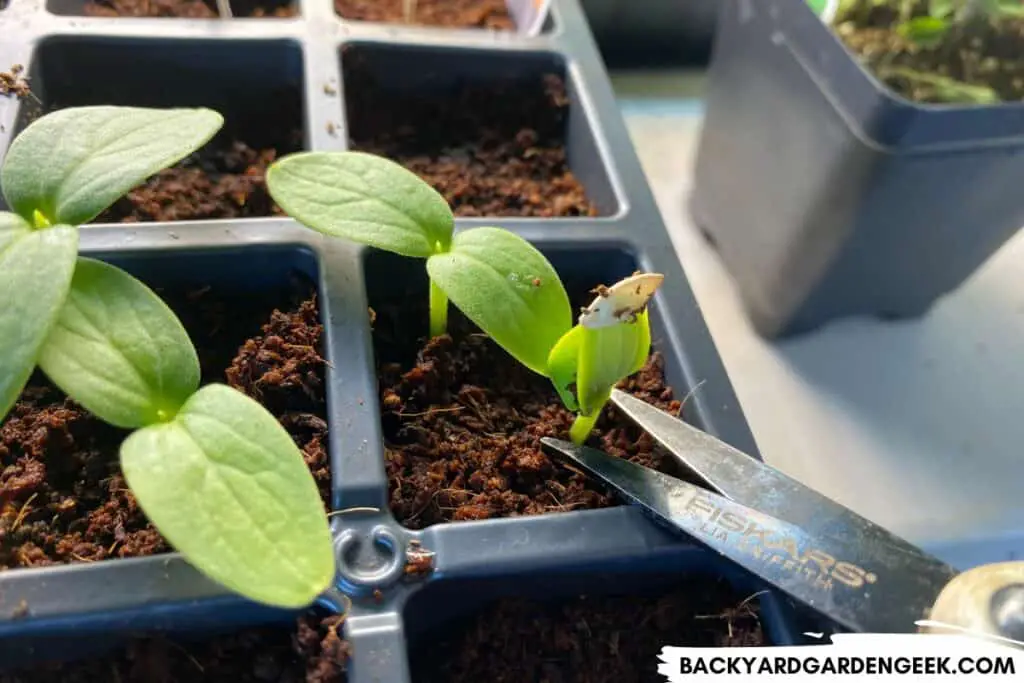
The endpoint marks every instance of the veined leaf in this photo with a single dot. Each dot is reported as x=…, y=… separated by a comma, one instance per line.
x=35, y=275
x=119, y=350
x=12, y=226
x=228, y=488
x=508, y=289
x=608, y=355
x=72, y=164
x=362, y=198
x=926, y=31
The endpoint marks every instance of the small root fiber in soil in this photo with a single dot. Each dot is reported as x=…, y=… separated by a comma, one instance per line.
x=463, y=421
x=986, y=53
x=63, y=498
x=311, y=652
x=591, y=639
x=189, y=9
x=492, y=150
x=489, y=14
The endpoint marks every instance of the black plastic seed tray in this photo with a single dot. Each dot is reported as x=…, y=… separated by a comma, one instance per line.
x=246, y=68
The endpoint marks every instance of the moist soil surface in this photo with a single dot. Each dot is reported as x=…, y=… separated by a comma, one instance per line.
x=62, y=496
x=986, y=53
x=463, y=421
x=219, y=181
x=311, y=652
x=189, y=9
x=494, y=149
x=589, y=639
x=489, y=14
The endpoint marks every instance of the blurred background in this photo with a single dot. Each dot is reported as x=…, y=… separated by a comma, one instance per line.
x=916, y=424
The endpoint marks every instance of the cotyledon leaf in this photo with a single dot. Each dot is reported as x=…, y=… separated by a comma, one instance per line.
x=119, y=350
x=12, y=226
x=363, y=198
x=70, y=165
x=508, y=289
x=228, y=488
x=563, y=362
x=36, y=268
x=608, y=355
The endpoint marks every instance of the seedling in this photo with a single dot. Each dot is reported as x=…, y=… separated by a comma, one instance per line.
x=215, y=472
x=610, y=342
x=504, y=285
x=497, y=279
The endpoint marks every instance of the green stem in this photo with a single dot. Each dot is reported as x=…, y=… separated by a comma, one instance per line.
x=438, y=310
x=582, y=426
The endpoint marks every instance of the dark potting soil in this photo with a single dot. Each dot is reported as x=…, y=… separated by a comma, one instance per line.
x=217, y=182
x=62, y=496
x=590, y=639
x=312, y=652
x=490, y=14
x=189, y=9
x=463, y=421
x=987, y=53
x=491, y=150
x=13, y=81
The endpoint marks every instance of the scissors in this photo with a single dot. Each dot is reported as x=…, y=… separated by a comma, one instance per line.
x=855, y=573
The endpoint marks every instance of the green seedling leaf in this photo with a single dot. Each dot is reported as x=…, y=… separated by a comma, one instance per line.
x=946, y=89
x=616, y=338
x=228, y=488
x=607, y=356
x=363, y=198
x=562, y=364
x=508, y=289
x=35, y=275
x=614, y=306
x=117, y=349
x=926, y=31
x=12, y=226
x=68, y=166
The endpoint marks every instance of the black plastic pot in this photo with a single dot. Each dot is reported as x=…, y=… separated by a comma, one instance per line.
x=826, y=194
x=234, y=66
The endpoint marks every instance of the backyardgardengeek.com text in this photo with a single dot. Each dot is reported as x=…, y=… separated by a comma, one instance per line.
x=847, y=665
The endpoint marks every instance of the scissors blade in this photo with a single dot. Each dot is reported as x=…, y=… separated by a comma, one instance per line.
x=734, y=474
x=862, y=584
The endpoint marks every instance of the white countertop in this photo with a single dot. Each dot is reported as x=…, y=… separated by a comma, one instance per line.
x=916, y=425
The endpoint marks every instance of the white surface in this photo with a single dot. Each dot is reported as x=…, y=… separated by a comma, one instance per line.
x=918, y=425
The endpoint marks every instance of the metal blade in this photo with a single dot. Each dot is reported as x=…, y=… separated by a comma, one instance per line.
x=737, y=476
x=861, y=584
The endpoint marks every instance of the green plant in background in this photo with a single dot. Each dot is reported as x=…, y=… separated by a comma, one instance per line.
x=215, y=472
x=503, y=284
x=929, y=24
x=941, y=15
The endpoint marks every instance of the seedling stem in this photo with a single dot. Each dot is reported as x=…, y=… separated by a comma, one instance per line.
x=438, y=310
